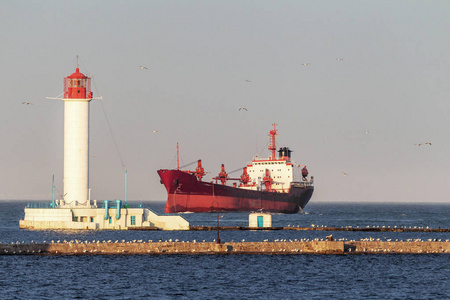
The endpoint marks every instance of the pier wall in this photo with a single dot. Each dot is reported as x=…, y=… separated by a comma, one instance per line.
x=398, y=247
x=307, y=247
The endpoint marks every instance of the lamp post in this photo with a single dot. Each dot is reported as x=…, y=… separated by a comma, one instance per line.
x=218, y=238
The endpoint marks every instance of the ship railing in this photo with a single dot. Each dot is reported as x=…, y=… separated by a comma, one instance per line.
x=113, y=204
x=302, y=184
x=41, y=205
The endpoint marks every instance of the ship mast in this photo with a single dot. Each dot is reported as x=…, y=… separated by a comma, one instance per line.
x=272, y=146
x=178, y=158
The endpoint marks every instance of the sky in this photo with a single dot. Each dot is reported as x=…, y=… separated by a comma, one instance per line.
x=361, y=115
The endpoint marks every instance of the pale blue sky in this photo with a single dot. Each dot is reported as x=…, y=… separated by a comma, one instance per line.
x=393, y=81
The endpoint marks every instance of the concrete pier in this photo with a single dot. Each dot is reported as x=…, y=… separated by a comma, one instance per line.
x=349, y=228
x=206, y=248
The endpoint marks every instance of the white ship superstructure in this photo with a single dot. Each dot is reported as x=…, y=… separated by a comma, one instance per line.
x=281, y=171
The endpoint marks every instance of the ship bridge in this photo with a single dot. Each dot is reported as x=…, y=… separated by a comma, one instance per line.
x=281, y=171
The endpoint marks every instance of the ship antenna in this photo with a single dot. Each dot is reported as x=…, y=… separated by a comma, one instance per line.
x=272, y=146
x=53, y=191
x=126, y=187
x=178, y=157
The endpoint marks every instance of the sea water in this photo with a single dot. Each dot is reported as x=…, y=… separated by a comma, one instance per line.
x=384, y=276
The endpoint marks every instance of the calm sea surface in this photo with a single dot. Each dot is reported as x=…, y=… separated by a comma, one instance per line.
x=235, y=276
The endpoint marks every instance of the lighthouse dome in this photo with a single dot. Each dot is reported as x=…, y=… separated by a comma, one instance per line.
x=77, y=74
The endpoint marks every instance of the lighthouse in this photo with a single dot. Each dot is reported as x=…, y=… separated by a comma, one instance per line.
x=77, y=96
x=74, y=210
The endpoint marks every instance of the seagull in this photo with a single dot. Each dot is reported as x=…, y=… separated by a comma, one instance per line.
x=306, y=64
x=345, y=174
x=248, y=80
x=27, y=103
x=143, y=68
x=155, y=131
x=339, y=59
x=366, y=132
x=418, y=144
x=243, y=108
x=428, y=143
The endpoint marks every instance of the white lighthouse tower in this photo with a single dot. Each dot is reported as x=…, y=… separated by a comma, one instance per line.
x=77, y=95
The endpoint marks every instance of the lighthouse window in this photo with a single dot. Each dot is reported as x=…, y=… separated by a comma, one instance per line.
x=77, y=83
x=133, y=220
x=74, y=83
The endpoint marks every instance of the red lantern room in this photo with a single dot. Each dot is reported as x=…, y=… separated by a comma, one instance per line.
x=77, y=86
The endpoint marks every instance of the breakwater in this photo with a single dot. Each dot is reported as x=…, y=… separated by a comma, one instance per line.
x=324, y=228
x=328, y=246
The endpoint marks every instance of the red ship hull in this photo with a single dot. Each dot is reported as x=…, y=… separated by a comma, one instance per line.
x=187, y=194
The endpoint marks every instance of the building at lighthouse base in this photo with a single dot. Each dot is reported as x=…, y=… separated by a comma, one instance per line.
x=112, y=216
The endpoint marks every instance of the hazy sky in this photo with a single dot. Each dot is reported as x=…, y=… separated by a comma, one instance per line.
x=393, y=82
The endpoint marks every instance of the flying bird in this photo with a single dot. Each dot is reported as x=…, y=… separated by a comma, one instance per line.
x=248, y=80
x=243, y=108
x=306, y=64
x=143, y=67
x=27, y=103
x=366, y=132
x=417, y=144
x=428, y=143
x=339, y=59
x=345, y=174
x=155, y=131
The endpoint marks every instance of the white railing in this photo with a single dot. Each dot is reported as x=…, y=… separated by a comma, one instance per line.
x=302, y=183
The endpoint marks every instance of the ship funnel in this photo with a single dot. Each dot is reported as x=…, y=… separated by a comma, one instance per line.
x=284, y=152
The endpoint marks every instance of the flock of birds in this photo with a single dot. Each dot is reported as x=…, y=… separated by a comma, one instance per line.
x=373, y=226
x=204, y=241
x=245, y=109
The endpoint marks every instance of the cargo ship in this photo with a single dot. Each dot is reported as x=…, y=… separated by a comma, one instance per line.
x=272, y=184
